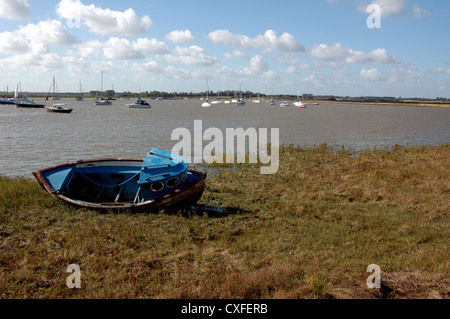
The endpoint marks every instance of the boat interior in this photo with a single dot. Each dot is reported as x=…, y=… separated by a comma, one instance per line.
x=113, y=184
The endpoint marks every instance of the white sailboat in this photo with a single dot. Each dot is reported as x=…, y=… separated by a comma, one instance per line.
x=299, y=103
x=101, y=101
x=206, y=103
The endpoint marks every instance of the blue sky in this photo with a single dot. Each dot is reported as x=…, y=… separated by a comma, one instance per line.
x=319, y=47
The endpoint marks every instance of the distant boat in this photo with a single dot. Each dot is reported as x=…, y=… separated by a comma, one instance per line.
x=217, y=101
x=25, y=101
x=57, y=108
x=6, y=100
x=101, y=101
x=240, y=101
x=28, y=103
x=257, y=100
x=299, y=105
x=139, y=104
x=206, y=103
x=284, y=104
x=272, y=102
x=159, y=181
x=80, y=98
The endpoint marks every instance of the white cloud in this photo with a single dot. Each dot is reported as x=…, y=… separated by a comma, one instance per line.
x=440, y=71
x=47, y=32
x=39, y=58
x=337, y=53
x=371, y=74
x=10, y=42
x=121, y=49
x=235, y=54
x=388, y=7
x=258, y=64
x=258, y=68
x=27, y=38
x=104, y=21
x=289, y=70
x=192, y=55
x=14, y=9
x=180, y=36
x=268, y=41
x=76, y=65
x=150, y=66
x=150, y=46
x=398, y=75
x=419, y=12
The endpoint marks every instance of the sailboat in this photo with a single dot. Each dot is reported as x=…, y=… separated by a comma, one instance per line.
x=206, y=103
x=299, y=104
x=240, y=102
x=80, y=98
x=101, y=101
x=25, y=101
x=57, y=108
x=6, y=100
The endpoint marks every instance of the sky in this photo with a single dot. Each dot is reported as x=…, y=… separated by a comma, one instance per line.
x=397, y=48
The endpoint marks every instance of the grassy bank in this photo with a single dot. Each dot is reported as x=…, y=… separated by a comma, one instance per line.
x=309, y=231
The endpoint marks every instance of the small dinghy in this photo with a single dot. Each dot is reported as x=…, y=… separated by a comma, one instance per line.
x=162, y=180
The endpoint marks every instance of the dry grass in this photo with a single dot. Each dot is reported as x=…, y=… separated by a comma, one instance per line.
x=309, y=231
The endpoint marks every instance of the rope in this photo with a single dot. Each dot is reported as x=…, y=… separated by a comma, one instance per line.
x=107, y=186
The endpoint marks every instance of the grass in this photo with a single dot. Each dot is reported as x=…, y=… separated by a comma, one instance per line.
x=310, y=231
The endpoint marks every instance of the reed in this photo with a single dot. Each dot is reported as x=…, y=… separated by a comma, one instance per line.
x=309, y=231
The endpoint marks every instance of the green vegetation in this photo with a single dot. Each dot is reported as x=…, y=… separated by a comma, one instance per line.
x=309, y=231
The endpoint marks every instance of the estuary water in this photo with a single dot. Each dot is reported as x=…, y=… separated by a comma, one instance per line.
x=32, y=139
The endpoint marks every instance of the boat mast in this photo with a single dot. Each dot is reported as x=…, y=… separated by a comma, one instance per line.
x=101, y=87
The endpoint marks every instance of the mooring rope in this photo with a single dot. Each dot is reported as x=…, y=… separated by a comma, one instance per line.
x=107, y=186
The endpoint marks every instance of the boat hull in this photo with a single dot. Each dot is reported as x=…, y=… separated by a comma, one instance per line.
x=56, y=178
x=59, y=111
x=29, y=105
x=139, y=106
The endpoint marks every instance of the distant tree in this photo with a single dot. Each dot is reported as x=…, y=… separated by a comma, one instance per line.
x=110, y=93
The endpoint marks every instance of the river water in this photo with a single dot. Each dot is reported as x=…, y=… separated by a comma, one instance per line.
x=32, y=139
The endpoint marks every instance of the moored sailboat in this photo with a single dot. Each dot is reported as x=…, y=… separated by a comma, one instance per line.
x=57, y=107
x=101, y=100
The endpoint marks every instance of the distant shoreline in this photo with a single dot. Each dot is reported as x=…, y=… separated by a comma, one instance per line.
x=410, y=103
x=426, y=105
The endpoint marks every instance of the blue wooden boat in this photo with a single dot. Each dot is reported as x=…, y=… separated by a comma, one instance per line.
x=159, y=181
